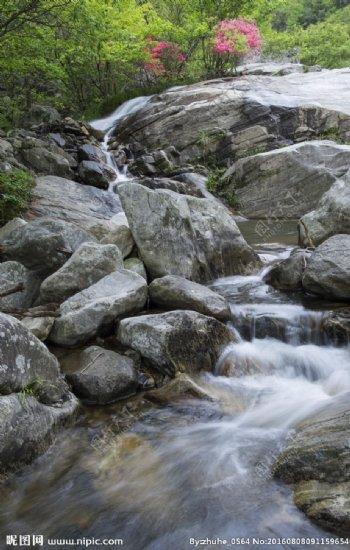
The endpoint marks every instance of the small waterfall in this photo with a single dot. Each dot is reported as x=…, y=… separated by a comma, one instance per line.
x=108, y=125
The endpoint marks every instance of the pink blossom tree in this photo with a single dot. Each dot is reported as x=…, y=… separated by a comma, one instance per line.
x=234, y=39
x=165, y=59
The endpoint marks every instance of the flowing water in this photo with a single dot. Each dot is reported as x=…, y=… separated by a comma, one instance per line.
x=195, y=469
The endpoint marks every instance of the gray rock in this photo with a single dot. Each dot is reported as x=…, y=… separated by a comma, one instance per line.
x=39, y=326
x=11, y=226
x=287, y=274
x=278, y=69
x=91, y=152
x=174, y=292
x=318, y=460
x=332, y=215
x=286, y=182
x=136, y=265
x=25, y=362
x=27, y=427
x=336, y=326
x=204, y=118
x=96, y=174
x=43, y=161
x=89, y=263
x=114, y=231
x=100, y=376
x=96, y=308
x=44, y=245
x=13, y=274
x=328, y=270
x=41, y=113
x=181, y=235
x=66, y=200
x=176, y=341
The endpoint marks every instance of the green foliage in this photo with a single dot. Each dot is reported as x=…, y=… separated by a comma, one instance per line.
x=15, y=193
x=34, y=389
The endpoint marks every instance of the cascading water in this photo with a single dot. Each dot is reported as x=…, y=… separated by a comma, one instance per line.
x=195, y=469
x=108, y=125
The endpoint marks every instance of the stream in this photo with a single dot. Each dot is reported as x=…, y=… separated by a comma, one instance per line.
x=196, y=469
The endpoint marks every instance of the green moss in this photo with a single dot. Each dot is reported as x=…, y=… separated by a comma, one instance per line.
x=15, y=193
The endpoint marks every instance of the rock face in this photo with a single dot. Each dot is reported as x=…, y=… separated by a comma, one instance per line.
x=13, y=274
x=286, y=182
x=318, y=461
x=231, y=117
x=328, y=270
x=34, y=398
x=100, y=376
x=89, y=263
x=172, y=292
x=287, y=274
x=176, y=341
x=62, y=199
x=96, y=308
x=43, y=245
x=181, y=235
x=331, y=216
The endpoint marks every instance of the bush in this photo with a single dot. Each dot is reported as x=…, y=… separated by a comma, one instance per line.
x=15, y=193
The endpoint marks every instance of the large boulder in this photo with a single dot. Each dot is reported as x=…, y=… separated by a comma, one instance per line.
x=176, y=341
x=172, y=292
x=89, y=263
x=286, y=182
x=181, y=235
x=14, y=274
x=91, y=152
x=328, y=270
x=331, y=216
x=44, y=245
x=95, y=309
x=34, y=397
x=317, y=462
x=100, y=376
x=96, y=174
x=231, y=117
x=66, y=200
x=44, y=161
x=114, y=231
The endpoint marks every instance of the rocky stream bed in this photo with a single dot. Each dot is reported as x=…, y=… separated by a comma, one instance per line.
x=173, y=367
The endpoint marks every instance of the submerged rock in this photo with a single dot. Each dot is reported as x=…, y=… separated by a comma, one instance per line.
x=96, y=308
x=328, y=270
x=174, y=292
x=100, y=376
x=331, y=216
x=181, y=235
x=176, y=341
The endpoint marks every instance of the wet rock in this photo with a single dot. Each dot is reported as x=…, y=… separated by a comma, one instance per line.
x=287, y=274
x=172, y=292
x=336, y=326
x=332, y=215
x=89, y=263
x=44, y=245
x=328, y=270
x=318, y=459
x=66, y=200
x=91, y=152
x=181, y=235
x=286, y=182
x=13, y=274
x=181, y=387
x=136, y=265
x=96, y=308
x=96, y=174
x=176, y=341
x=100, y=376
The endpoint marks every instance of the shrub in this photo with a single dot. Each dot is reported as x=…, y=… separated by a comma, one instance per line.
x=166, y=60
x=15, y=193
